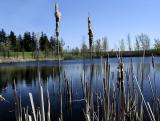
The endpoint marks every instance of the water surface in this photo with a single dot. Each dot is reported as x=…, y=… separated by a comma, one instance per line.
x=25, y=76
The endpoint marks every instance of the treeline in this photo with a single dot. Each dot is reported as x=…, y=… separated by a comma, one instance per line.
x=28, y=42
x=31, y=42
x=130, y=47
x=140, y=42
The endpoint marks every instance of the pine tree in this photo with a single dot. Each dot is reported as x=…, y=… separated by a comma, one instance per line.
x=13, y=41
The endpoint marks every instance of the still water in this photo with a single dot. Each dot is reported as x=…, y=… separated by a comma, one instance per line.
x=25, y=76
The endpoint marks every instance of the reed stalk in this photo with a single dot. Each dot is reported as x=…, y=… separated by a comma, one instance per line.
x=144, y=100
x=49, y=108
x=33, y=108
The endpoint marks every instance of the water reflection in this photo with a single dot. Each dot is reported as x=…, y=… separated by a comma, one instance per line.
x=27, y=74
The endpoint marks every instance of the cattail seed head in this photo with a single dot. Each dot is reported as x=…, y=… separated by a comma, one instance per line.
x=90, y=33
x=121, y=74
x=57, y=16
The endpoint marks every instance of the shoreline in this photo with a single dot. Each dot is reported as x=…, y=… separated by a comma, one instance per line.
x=21, y=60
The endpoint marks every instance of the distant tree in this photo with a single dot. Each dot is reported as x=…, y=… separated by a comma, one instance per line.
x=75, y=51
x=13, y=41
x=61, y=44
x=20, y=40
x=105, y=44
x=137, y=45
x=157, y=44
x=7, y=47
x=129, y=42
x=53, y=45
x=98, y=47
x=33, y=44
x=144, y=41
x=3, y=43
x=84, y=47
x=44, y=43
x=33, y=41
x=27, y=42
x=122, y=45
x=20, y=46
x=68, y=48
x=2, y=36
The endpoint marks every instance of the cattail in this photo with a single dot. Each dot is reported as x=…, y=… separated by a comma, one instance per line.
x=90, y=33
x=57, y=16
x=153, y=65
x=121, y=74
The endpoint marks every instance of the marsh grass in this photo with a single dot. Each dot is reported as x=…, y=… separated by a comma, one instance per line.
x=120, y=100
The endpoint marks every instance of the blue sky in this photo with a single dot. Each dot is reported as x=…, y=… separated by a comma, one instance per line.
x=111, y=18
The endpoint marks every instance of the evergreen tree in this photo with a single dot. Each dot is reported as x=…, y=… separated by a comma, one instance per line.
x=2, y=39
x=2, y=36
x=13, y=41
x=4, y=44
x=27, y=42
x=33, y=41
x=44, y=42
x=53, y=45
x=20, y=40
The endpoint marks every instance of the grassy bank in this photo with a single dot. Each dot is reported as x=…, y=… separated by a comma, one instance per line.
x=9, y=57
x=112, y=54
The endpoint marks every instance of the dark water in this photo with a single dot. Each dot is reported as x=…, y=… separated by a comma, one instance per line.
x=25, y=75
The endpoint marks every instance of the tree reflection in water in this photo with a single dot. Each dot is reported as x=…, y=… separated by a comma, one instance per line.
x=26, y=75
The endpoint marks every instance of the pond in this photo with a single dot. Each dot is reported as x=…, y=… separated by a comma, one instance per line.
x=26, y=78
